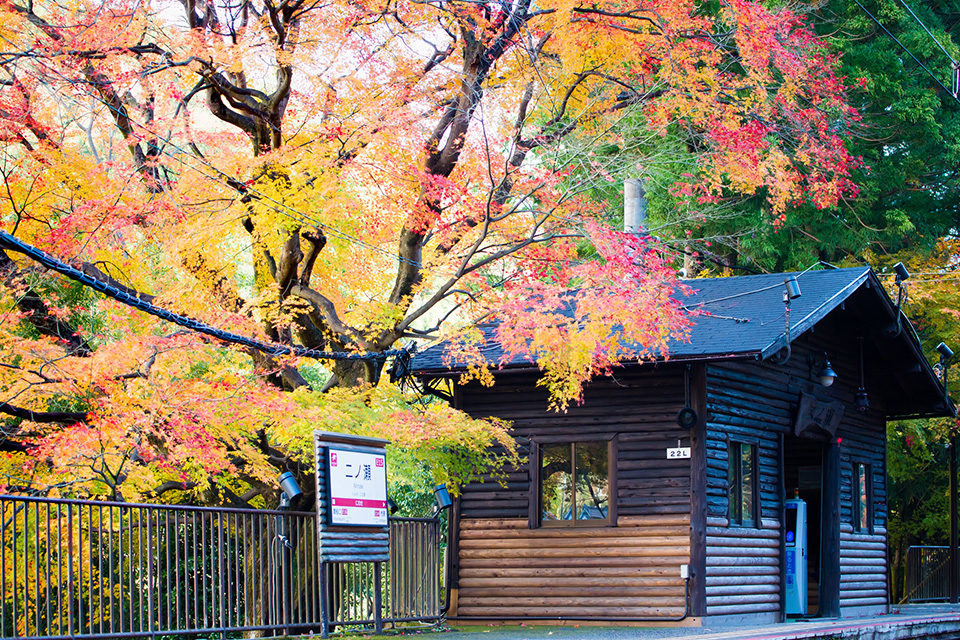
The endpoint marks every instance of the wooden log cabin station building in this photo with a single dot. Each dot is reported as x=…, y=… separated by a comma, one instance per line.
x=602, y=523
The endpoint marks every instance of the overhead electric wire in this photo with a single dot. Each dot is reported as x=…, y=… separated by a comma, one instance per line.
x=924, y=27
x=14, y=244
x=909, y=53
x=692, y=283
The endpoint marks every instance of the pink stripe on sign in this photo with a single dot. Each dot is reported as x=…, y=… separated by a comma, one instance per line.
x=353, y=502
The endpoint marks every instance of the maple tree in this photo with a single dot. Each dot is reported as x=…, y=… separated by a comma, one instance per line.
x=905, y=135
x=346, y=176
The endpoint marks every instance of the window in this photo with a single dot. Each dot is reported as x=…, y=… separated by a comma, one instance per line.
x=742, y=476
x=575, y=483
x=861, y=497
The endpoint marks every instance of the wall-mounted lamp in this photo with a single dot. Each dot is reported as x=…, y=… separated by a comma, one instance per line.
x=901, y=275
x=861, y=399
x=442, y=497
x=823, y=370
x=826, y=375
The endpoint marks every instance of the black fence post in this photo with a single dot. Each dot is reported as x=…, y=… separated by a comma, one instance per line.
x=954, y=560
x=378, y=597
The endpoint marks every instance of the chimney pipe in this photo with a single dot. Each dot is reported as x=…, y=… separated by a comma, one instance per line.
x=634, y=206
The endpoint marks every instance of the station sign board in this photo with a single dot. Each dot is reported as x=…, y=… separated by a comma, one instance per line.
x=357, y=487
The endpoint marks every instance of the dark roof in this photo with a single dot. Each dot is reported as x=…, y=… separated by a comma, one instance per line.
x=743, y=316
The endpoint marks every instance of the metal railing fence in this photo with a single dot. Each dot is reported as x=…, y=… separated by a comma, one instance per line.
x=77, y=569
x=412, y=581
x=89, y=569
x=928, y=574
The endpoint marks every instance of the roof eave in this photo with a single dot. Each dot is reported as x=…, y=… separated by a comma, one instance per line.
x=943, y=412
x=868, y=277
x=527, y=367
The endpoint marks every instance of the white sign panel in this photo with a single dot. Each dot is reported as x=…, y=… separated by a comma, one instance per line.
x=358, y=487
x=677, y=453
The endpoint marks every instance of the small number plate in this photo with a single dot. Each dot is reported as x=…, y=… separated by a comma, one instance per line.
x=679, y=452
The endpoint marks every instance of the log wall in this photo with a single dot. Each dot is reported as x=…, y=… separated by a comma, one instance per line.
x=507, y=568
x=631, y=570
x=753, y=401
x=746, y=404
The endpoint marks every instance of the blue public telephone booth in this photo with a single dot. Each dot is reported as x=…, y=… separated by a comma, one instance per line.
x=795, y=557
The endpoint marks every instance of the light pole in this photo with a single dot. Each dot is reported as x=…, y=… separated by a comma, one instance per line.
x=945, y=354
x=289, y=492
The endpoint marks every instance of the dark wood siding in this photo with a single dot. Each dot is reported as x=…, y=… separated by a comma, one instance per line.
x=628, y=570
x=863, y=554
x=746, y=403
x=755, y=401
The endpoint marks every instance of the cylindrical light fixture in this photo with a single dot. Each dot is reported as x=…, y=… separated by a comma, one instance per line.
x=793, y=287
x=442, y=497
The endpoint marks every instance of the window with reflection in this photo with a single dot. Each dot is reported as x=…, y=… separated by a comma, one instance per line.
x=742, y=480
x=574, y=483
x=861, y=497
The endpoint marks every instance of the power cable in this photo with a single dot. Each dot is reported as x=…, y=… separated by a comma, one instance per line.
x=14, y=244
x=908, y=52
x=924, y=27
x=692, y=283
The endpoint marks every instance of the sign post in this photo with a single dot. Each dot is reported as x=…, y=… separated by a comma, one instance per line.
x=352, y=512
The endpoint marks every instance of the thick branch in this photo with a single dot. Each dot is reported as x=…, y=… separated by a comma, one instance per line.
x=38, y=314
x=64, y=417
x=329, y=313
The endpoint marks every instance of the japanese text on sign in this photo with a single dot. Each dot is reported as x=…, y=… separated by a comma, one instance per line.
x=358, y=487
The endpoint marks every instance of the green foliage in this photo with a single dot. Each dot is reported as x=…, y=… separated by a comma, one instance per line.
x=908, y=139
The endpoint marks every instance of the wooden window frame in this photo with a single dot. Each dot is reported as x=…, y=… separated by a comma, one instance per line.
x=861, y=527
x=735, y=488
x=535, y=513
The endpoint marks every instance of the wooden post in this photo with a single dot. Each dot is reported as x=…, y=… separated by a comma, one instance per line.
x=324, y=602
x=697, y=590
x=830, y=533
x=954, y=560
x=781, y=564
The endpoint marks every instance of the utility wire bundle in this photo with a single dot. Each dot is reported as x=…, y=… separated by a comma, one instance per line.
x=8, y=241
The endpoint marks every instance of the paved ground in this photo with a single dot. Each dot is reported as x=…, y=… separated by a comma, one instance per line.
x=924, y=621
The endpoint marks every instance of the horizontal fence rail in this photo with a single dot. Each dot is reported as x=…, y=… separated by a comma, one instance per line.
x=928, y=574
x=89, y=569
